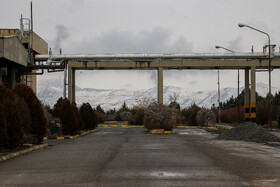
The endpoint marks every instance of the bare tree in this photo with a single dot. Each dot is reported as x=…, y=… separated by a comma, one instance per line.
x=173, y=98
x=158, y=116
x=144, y=102
x=205, y=117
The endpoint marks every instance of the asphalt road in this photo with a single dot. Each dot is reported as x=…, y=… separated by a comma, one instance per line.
x=132, y=157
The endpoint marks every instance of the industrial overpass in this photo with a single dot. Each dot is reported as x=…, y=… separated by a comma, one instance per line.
x=160, y=62
x=23, y=52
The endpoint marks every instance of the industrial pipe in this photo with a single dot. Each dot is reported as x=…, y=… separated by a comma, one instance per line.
x=191, y=56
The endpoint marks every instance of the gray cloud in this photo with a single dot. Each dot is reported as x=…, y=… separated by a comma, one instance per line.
x=156, y=40
x=235, y=44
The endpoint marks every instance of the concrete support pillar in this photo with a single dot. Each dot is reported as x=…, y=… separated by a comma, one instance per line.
x=22, y=79
x=160, y=85
x=64, y=82
x=253, y=94
x=71, y=85
x=246, y=96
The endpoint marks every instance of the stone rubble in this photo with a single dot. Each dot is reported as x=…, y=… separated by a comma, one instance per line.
x=249, y=132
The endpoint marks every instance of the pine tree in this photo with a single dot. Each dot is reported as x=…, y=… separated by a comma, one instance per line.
x=67, y=115
x=79, y=118
x=99, y=109
x=14, y=123
x=88, y=116
x=3, y=129
x=38, y=119
x=11, y=108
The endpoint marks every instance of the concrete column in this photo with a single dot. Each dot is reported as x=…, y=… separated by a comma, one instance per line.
x=160, y=85
x=21, y=79
x=246, y=96
x=64, y=82
x=71, y=85
x=253, y=94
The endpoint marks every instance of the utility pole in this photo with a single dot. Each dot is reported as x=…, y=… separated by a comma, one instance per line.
x=238, y=99
x=220, y=47
x=219, y=97
x=269, y=70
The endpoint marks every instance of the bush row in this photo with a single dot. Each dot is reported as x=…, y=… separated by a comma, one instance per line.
x=158, y=116
x=74, y=119
x=22, y=118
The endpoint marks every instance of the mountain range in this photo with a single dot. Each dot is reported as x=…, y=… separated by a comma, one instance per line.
x=49, y=91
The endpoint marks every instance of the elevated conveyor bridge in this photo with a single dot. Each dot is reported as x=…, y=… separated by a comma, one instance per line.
x=160, y=62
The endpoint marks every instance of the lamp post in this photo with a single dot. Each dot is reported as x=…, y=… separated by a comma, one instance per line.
x=219, y=97
x=220, y=47
x=269, y=70
x=238, y=102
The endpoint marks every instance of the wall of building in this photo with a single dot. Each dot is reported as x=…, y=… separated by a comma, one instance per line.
x=14, y=56
x=31, y=81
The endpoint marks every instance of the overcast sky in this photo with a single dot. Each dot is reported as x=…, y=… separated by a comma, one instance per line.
x=150, y=26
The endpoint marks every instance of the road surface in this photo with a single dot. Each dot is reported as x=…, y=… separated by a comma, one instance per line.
x=132, y=157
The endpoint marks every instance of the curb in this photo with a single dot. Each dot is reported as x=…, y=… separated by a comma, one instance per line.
x=70, y=137
x=23, y=152
x=85, y=133
x=59, y=138
x=194, y=127
x=169, y=132
x=124, y=126
x=223, y=127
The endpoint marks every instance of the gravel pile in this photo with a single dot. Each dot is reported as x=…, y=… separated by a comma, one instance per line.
x=249, y=132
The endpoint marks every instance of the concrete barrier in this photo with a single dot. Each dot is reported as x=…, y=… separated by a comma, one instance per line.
x=23, y=152
x=70, y=137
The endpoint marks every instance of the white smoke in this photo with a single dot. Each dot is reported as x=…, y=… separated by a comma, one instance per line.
x=62, y=34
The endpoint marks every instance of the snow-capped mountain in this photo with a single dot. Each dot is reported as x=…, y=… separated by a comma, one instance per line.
x=50, y=91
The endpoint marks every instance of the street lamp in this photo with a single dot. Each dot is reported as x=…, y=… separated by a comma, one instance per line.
x=269, y=70
x=219, y=97
x=220, y=47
